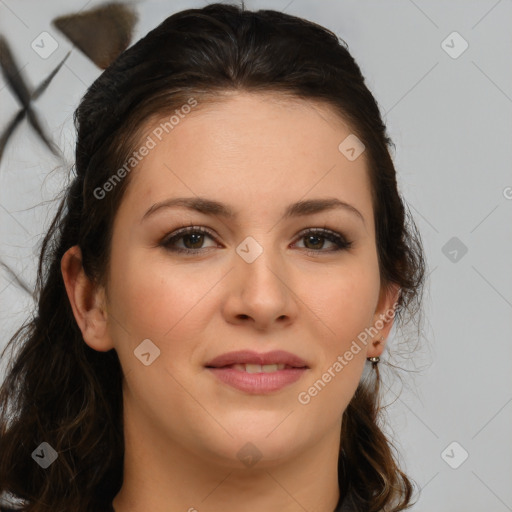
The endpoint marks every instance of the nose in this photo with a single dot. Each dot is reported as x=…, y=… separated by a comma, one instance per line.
x=261, y=293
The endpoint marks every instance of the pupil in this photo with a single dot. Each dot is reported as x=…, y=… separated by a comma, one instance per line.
x=197, y=241
x=313, y=237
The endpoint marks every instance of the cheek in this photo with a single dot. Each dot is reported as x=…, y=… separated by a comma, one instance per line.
x=154, y=299
x=346, y=306
x=345, y=299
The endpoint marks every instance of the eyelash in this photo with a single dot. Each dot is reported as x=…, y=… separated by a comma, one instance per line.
x=332, y=236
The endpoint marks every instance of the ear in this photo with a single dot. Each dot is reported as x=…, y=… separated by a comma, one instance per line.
x=87, y=301
x=383, y=318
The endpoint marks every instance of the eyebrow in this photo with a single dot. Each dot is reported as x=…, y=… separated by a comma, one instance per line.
x=212, y=207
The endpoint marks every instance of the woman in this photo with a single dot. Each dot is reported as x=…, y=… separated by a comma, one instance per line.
x=197, y=345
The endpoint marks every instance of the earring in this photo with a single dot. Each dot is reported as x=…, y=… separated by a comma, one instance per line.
x=374, y=360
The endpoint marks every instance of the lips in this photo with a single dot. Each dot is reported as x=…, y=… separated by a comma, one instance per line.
x=244, y=357
x=258, y=374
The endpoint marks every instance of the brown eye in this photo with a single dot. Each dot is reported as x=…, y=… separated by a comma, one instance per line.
x=193, y=239
x=315, y=240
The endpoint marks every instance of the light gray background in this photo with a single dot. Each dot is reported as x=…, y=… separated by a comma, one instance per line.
x=451, y=121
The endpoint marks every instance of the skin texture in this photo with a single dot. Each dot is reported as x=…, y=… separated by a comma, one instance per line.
x=183, y=427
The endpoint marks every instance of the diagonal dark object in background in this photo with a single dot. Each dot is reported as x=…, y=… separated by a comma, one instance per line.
x=46, y=82
x=101, y=33
x=16, y=83
x=10, y=130
x=19, y=282
x=12, y=73
x=21, y=114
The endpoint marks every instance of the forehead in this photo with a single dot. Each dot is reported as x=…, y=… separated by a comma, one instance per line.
x=259, y=146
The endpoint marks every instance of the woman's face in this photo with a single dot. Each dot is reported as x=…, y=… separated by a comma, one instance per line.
x=257, y=281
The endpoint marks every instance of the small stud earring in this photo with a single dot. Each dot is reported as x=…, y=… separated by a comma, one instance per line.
x=375, y=360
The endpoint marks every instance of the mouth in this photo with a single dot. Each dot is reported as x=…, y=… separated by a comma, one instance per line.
x=253, y=360
x=256, y=373
x=259, y=368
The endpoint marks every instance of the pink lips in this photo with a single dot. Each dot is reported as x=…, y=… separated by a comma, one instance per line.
x=250, y=357
x=258, y=383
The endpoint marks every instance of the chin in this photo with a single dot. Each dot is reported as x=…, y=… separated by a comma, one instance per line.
x=263, y=445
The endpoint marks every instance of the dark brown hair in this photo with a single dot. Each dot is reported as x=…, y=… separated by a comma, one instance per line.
x=59, y=390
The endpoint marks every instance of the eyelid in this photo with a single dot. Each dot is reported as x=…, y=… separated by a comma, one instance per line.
x=186, y=230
